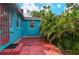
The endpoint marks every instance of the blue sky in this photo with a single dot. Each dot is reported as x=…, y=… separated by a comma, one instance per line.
x=56, y=8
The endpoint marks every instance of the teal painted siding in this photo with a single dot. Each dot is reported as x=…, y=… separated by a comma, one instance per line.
x=24, y=29
x=27, y=31
x=15, y=33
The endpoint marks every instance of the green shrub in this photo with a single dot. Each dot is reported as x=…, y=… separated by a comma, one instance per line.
x=61, y=30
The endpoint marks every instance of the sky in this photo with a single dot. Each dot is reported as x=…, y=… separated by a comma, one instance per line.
x=56, y=8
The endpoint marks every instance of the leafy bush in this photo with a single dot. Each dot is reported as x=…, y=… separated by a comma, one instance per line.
x=61, y=30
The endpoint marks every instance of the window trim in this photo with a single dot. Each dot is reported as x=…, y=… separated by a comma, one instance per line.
x=30, y=25
x=18, y=20
x=10, y=21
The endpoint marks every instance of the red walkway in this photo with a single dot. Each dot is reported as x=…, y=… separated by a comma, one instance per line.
x=36, y=46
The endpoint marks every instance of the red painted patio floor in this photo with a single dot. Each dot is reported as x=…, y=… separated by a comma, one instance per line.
x=37, y=46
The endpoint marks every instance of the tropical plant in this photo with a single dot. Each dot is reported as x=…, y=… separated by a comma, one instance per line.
x=61, y=30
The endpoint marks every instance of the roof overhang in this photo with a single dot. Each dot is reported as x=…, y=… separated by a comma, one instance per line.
x=32, y=18
x=14, y=7
x=18, y=10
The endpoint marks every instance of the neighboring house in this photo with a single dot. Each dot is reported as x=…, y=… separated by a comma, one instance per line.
x=13, y=25
x=31, y=26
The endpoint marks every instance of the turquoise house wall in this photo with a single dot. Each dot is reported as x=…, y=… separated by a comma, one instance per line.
x=27, y=31
x=15, y=33
x=24, y=30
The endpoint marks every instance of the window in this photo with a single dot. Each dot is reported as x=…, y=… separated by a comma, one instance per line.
x=10, y=20
x=18, y=23
x=31, y=24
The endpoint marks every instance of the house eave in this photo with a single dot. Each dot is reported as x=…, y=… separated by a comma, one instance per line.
x=18, y=10
x=32, y=18
x=14, y=7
